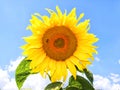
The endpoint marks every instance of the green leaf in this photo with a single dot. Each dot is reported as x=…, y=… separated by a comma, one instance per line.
x=89, y=75
x=22, y=72
x=72, y=88
x=54, y=86
x=74, y=83
x=83, y=83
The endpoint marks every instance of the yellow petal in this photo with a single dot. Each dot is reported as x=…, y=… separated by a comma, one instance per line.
x=42, y=67
x=83, y=25
x=80, y=17
x=29, y=51
x=82, y=56
x=58, y=11
x=76, y=62
x=64, y=70
x=85, y=63
x=37, y=59
x=71, y=67
x=57, y=74
x=72, y=13
x=52, y=66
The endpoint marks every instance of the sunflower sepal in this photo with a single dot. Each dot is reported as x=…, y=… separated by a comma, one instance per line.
x=89, y=75
x=81, y=71
x=22, y=72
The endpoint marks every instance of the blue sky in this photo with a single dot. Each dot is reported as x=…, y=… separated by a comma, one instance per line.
x=105, y=23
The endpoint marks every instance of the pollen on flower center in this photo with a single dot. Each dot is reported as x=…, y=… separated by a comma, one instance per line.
x=59, y=42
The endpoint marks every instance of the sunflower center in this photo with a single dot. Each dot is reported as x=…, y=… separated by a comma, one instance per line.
x=59, y=42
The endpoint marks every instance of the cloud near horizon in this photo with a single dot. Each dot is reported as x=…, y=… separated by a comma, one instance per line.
x=36, y=82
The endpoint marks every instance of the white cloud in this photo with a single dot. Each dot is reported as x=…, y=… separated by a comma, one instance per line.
x=115, y=77
x=33, y=82
x=115, y=87
x=11, y=85
x=36, y=82
x=4, y=77
x=119, y=61
x=104, y=83
x=6, y=81
x=13, y=64
x=97, y=59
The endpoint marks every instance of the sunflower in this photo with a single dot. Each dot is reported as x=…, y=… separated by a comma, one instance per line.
x=59, y=43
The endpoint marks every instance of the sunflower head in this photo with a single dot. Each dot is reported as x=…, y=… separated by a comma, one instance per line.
x=59, y=43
